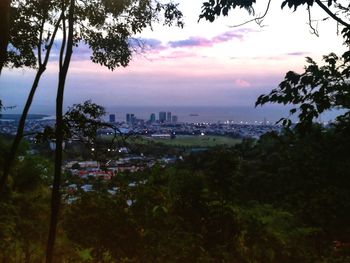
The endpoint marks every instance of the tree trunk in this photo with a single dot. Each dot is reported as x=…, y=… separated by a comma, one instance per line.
x=14, y=147
x=4, y=30
x=55, y=198
x=27, y=255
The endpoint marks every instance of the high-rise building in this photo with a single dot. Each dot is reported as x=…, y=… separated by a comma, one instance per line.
x=130, y=118
x=152, y=118
x=162, y=116
x=111, y=117
x=168, y=116
x=174, y=119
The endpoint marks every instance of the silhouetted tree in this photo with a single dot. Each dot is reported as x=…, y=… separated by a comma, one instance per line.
x=319, y=88
x=33, y=17
x=4, y=30
x=107, y=30
x=212, y=9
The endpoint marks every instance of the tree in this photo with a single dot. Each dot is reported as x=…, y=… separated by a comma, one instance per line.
x=107, y=30
x=212, y=9
x=304, y=170
x=36, y=18
x=107, y=223
x=4, y=30
x=319, y=88
x=105, y=26
x=25, y=213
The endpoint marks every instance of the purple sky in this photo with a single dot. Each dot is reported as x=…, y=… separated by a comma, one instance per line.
x=203, y=64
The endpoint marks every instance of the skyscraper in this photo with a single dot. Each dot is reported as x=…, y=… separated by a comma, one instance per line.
x=162, y=116
x=152, y=117
x=130, y=118
x=168, y=116
x=111, y=117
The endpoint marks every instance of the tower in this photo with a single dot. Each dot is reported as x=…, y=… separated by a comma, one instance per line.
x=162, y=116
x=111, y=117
x=128, y=118
x=152, y=117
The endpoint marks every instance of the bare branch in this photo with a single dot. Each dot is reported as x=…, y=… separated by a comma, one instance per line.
x=332, y=15
x=313, y=30
x=257, y=20
x=40, y=41
x=64, y=39
x=52, y=40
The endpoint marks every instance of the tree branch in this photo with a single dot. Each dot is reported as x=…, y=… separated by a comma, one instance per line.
x=314, y=30
x=329, y=12
x=64, y=39
x=258, y=20
x=40, y=41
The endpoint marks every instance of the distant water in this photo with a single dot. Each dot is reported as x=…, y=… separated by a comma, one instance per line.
x=213, y=114
x=16, y=117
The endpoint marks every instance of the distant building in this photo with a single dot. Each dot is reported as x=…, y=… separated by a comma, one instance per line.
x=152, y=118
x=111, y=117
x=130, y=118
x=162, y=116
x=174, y=119
x=168, y=116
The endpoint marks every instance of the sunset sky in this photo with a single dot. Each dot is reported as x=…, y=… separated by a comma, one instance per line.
x=203, y=64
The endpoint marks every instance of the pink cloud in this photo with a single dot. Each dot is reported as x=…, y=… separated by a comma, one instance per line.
x=242, y=83
x=191, y=42
x=205, y=42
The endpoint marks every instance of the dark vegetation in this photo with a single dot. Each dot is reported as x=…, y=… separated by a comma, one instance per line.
x=283, y=198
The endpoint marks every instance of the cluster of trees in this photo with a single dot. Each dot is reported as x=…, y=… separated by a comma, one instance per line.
x=30, y=29
x=283, y=198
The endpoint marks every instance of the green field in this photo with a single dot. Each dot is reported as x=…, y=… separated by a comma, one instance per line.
x=189, y=141
x=197, y=141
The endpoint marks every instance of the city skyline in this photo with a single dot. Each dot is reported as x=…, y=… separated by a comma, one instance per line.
x=132, y=118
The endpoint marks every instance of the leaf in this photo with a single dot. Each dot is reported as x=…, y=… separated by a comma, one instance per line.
x=283, y=4
x=225, y=11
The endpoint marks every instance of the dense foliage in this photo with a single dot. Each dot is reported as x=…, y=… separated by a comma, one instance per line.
x=283, y=198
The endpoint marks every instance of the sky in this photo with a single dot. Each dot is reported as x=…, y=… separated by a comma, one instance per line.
x=203, y=64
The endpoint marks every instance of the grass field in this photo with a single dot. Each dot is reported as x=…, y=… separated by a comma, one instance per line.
x=197, y=141
x=189, y=141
